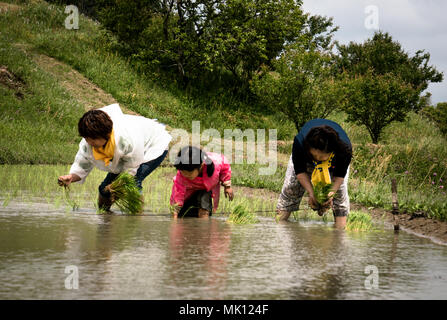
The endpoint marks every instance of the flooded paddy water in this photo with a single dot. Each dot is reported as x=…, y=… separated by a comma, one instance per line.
x=155, y=257
x=48, y=251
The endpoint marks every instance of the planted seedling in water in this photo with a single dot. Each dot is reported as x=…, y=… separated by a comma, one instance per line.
x=126, y=194
x=70, y=202
x=359, y=221
x=242, y=215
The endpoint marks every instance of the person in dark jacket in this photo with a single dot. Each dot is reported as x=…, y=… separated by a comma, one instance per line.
x=322, y=152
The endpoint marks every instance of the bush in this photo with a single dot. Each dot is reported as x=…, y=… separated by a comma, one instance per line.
x=438, y=115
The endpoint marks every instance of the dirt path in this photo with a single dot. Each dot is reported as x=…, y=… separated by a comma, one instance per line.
x=4, y=7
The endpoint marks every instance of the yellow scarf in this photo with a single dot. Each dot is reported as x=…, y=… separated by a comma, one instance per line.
x=106, y=152
x=321, y=171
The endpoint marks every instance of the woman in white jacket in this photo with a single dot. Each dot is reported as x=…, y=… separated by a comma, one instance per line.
x=116, y=142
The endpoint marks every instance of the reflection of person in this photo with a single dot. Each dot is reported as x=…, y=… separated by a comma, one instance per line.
x=115, y=142
x=322, y=152
x=210, y=241
x=198, y=181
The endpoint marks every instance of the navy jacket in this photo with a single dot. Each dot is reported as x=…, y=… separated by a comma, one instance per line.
x=301, y=158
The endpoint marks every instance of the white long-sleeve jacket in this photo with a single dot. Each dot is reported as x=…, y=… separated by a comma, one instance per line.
x=137, y=140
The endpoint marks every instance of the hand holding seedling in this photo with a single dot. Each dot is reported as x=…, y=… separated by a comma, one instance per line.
x=313, y=203
x=229, y=193
x=67, y=179
x=326, y=205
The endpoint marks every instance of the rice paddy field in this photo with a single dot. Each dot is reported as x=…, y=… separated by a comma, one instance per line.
x=241, y=252
x=56, y=244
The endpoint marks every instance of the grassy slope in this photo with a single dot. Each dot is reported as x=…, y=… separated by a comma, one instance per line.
x=49, y=111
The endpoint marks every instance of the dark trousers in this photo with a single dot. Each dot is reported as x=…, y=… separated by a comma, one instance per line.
x=198, y=200
x=143, y=171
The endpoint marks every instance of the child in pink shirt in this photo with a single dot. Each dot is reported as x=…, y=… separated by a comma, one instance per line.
x=198, y=180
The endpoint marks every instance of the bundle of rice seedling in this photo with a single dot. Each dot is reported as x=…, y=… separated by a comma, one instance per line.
x=126, y=194
x=321, y=191
x=359, y=221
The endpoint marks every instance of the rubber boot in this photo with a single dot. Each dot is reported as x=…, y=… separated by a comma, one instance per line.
x=104, y=203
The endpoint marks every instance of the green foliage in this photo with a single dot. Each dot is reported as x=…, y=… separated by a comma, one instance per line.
x=242, y=215
x=196, y=40
x=375, y=101
x=384, y=56
x=321, y=191
x=126, y=194
x=382, y=82
x=438, y=115
x=301, y=86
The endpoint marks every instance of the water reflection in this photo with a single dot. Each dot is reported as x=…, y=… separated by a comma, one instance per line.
x=155, y=257
x=199, y=250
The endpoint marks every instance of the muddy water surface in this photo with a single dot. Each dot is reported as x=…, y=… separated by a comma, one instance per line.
x=154, y=257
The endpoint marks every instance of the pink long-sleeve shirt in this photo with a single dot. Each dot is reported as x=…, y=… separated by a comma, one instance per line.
x=183, y=188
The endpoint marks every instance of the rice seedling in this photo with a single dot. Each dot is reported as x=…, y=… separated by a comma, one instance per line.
x=126, y=194
x=321, y=191
x=240, y=214
x=68, y=200
x=7, y=200
x=359, y=221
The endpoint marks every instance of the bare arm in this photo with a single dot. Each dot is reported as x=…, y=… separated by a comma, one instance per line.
x=336, y=183
x=304, y=179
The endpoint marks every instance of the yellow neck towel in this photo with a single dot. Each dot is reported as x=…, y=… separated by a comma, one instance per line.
x=106, y=152
x=321, y=171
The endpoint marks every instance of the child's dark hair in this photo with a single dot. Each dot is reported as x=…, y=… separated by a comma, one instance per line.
x=326, y=139
x=190, y=158
x=95, y=124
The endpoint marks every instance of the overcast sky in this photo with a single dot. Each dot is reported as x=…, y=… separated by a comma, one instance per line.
x=416, y=24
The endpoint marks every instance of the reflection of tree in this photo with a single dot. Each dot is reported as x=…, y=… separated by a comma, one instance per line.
x=198, y=251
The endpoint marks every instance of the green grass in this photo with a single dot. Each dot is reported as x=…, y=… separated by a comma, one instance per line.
x=90, y=50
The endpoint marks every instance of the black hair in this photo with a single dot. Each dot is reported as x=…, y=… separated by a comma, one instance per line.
x=95, y=124
x=190, y=158
x=326, y=139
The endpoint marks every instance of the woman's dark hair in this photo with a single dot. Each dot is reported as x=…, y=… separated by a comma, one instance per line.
x=190, y=158
x=326, y=139
x=95, y=124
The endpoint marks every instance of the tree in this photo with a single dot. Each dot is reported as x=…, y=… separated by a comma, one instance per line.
x=375, y=101
x=382, y=82
x=301, y=86
x=438, y=114
x=195, y=38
